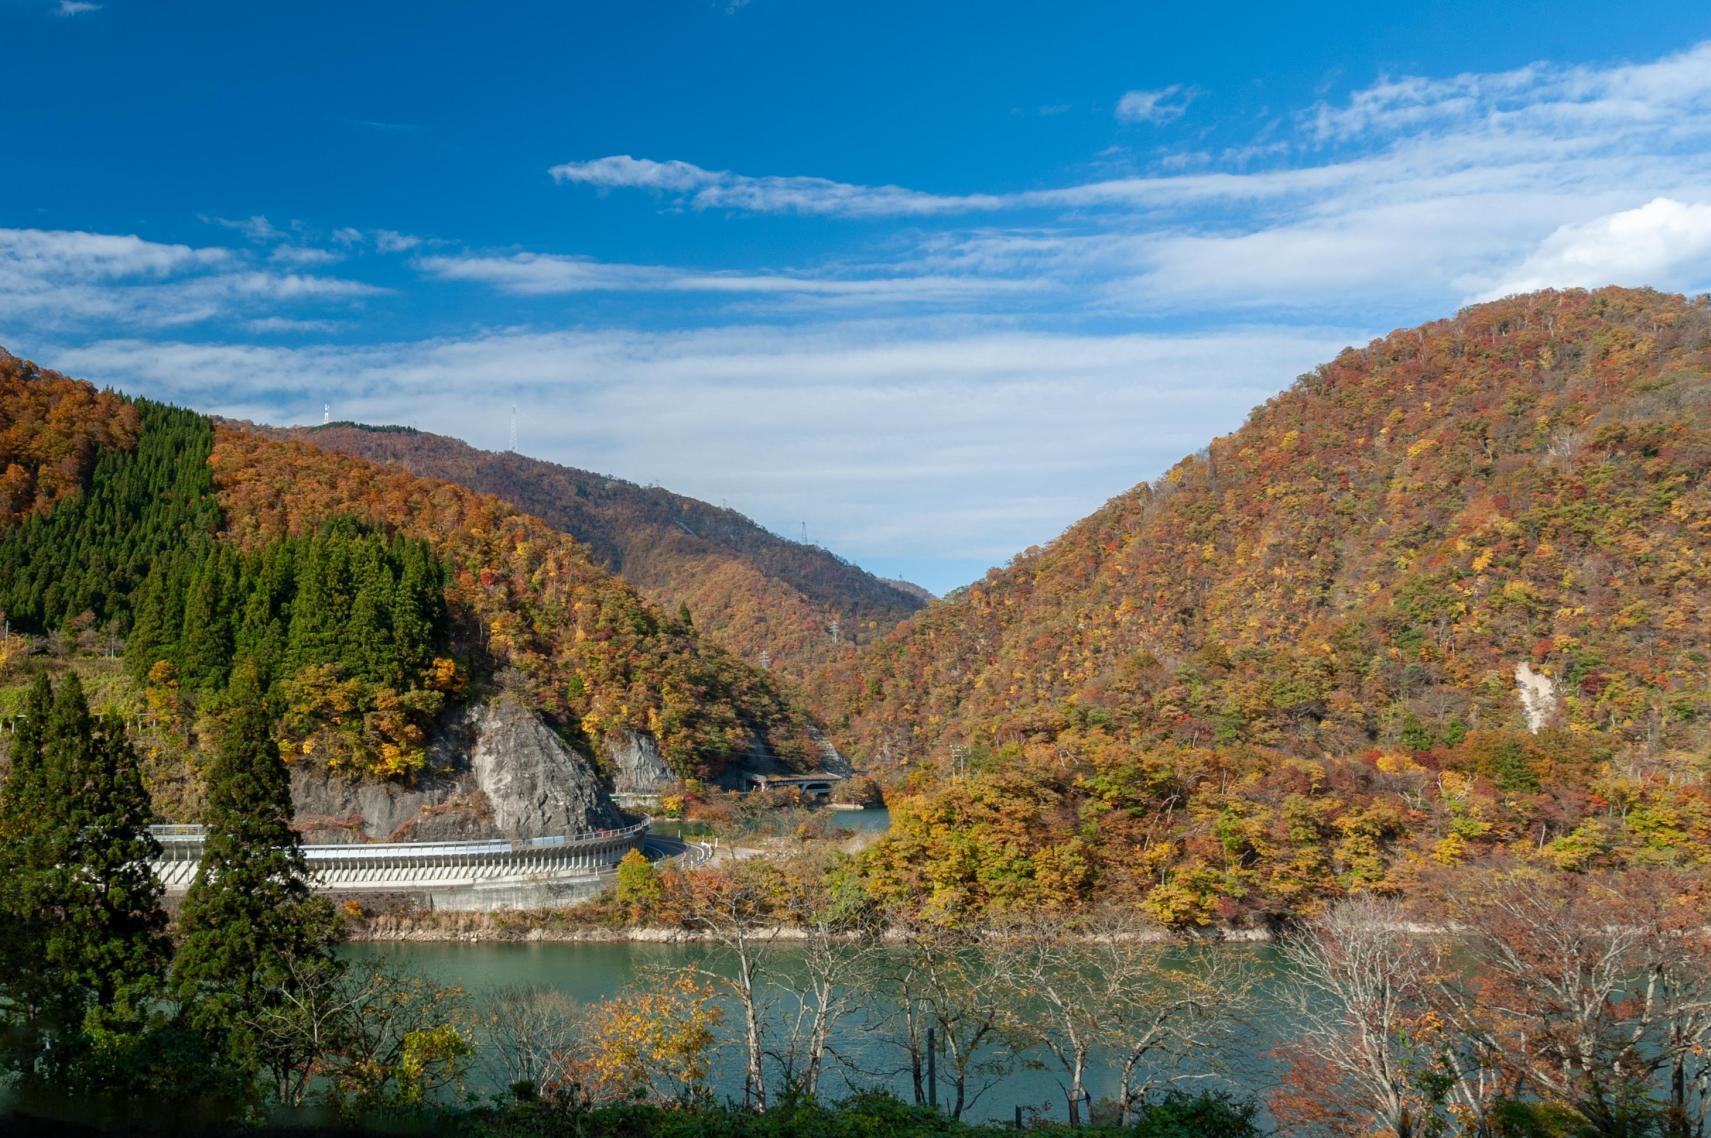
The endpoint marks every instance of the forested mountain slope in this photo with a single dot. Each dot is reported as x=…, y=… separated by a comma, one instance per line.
x=792, y=605
x=1449, y=593
x=372, y=600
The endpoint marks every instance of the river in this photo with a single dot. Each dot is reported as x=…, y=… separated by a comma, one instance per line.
x=589, y=972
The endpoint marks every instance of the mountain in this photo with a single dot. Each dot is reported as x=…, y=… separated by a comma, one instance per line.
x=778, y=603
x=1449, y=595
x=379, y=607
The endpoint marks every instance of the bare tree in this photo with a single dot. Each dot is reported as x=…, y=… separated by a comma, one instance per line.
x=734, y=910
x=1174, y=1020
x=1052, y=965
x=949, y=983
x=1101, y=986
x=531, y=1032
x=301, y=1032
x=1593, y=989
x=1358, y=981
x=1561, y=991
x=1680, y=958
x=831, y=981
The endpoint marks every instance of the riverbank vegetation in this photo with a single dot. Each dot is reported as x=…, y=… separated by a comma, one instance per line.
x=248, y=1009
x=1517, y=1001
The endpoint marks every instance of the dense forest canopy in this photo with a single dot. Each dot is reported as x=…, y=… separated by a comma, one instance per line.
x=366, y=597
x=149, y=492
x=50, y=431
x=792, y=606
x=1290, y=666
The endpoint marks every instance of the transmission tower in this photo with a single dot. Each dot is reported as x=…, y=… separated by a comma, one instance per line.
x=326, y=413
x=513, y=428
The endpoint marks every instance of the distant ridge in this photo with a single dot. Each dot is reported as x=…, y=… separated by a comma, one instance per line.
x=1446, y=601
x=1374, y=555
x=779, y=603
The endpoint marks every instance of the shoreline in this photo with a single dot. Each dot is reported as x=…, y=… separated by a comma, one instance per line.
x=490, y=928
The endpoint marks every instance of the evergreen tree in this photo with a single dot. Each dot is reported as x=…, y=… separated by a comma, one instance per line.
x=91, y=552
x=23, y=800
x=251, y=929
x=205, y=648
x=84, y=944
x=105, y=948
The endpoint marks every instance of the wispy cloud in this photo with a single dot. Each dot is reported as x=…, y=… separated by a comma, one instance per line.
x=541, y=274
x=70, y=279
x=1162, y=105
x=303, y=255
x=75, y=8
x=721, y=189
x=383, y=240
x=1436, y=191
x=914, y=388
x=272, y=325
x=986, y=433
x=383, y=126
x=257, y=228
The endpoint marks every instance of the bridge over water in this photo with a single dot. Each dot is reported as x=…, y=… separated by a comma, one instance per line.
x=469, y=875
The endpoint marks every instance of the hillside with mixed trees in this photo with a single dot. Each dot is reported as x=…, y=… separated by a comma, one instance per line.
x=1293, y=665
x=366, y=600
x=784, y=604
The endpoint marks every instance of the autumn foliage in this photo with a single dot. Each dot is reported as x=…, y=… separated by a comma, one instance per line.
x=51, y=428
x=526, y=599
x=1287, y=669
x=205, y=544
x=788, y=605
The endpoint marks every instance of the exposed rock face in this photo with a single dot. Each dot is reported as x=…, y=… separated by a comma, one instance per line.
x=637, y=766
x=334, y=809
x=502, y=774
x=1538, y=696
x=831, y=759
x=538, y=786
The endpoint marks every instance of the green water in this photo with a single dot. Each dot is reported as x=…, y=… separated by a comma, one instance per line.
x=873, y=820
x=589, y=972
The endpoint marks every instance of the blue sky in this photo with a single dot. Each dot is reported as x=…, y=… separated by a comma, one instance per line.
x=935, y=279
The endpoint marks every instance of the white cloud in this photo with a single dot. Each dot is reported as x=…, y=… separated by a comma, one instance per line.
x=721, y=189
x=542, y=274
x=303, y=255
x=621, y=170
x=75, y=8
x=391, y=241
x=30, y=253
x=1157, y=106
x=890, y=438
x=1438, y=187
x=383, y=240
x=68, y=278
x=1664, y=242
x=1537, y=96
x=269, y=325
x=258, y=228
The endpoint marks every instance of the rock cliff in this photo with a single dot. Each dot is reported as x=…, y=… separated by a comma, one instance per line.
x=636, y=764
x=501, y=772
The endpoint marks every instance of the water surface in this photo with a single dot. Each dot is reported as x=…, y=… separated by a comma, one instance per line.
x=590, y=972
